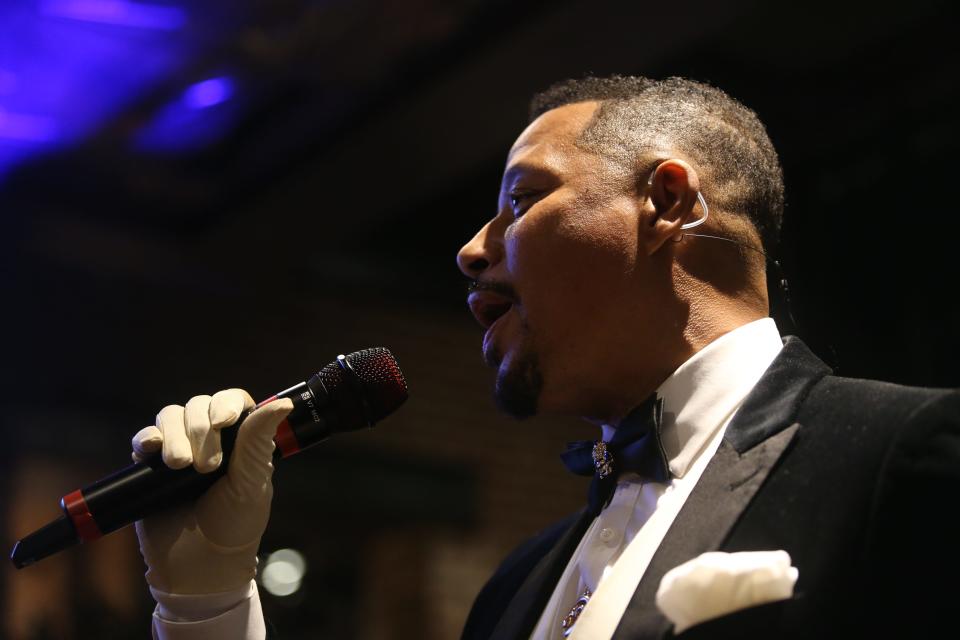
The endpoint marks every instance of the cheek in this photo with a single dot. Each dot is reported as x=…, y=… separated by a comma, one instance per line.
x=571, y=249
x=571, y=273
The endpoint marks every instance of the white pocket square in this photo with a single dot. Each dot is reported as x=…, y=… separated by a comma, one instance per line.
x=716, y=583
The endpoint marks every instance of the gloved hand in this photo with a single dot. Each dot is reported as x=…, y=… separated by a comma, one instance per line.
x=210, y=546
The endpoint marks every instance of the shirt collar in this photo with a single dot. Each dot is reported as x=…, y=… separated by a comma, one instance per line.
x=704, y=392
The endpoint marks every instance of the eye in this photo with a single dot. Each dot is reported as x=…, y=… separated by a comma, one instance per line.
x=520, y=201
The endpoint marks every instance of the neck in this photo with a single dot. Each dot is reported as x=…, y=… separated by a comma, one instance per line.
x=710, y=320
x=718, y=305
x=707, y=321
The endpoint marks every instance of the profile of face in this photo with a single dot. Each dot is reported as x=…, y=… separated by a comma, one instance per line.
x=576, y=301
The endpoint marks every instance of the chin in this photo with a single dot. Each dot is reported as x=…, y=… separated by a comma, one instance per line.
x=519, y=386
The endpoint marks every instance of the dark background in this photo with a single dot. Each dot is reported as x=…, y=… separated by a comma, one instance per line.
x=154, y=251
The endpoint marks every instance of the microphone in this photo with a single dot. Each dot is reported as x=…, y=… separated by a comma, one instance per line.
x=352, y=392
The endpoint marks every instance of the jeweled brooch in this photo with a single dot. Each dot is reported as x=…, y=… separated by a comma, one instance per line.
x=602, y=460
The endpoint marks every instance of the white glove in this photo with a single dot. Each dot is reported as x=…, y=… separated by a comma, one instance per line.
x=210, y=546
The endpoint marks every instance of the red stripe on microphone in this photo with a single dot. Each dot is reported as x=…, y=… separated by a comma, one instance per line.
x=76, y=507
x=286, y=439
x=267, y=401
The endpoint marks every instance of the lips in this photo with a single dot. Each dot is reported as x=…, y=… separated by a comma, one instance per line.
x=488, y=306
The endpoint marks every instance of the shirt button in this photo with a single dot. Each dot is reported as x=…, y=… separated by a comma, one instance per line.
x=608, y=535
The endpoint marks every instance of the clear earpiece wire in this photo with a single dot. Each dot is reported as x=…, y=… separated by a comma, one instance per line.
x=703, y=205
x=706, y=212
x=783, y=286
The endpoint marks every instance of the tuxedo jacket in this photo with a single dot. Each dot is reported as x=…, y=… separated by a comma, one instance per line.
x=858, y=480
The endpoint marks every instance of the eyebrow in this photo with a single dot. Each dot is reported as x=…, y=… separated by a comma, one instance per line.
x=511, y=175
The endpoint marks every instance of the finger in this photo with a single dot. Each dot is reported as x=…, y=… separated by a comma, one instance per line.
x=147, y=441
x=263, y=422
x=176, y=447
x=227, y=405
x=251, y=464
x=204, y=441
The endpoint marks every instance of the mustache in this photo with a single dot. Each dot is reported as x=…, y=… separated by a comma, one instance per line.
x=496, y=286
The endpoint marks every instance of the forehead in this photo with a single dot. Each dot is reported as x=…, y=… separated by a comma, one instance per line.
x=550, y=140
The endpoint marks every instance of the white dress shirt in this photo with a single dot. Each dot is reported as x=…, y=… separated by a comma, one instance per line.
x=700, y=398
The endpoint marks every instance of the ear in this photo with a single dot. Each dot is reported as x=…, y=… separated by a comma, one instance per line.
x=673, y=192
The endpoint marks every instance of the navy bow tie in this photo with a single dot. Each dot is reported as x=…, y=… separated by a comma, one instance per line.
x=635, y=446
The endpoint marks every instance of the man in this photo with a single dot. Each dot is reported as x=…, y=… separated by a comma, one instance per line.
x=599, y=301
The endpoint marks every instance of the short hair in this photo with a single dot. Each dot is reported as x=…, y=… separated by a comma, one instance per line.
x=738, y=165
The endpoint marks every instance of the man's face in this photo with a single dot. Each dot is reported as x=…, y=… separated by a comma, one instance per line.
x=568, y=299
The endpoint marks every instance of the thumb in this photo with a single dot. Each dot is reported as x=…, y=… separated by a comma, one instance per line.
x=251, y=461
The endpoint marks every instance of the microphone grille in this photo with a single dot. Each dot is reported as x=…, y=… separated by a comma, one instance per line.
x=382, y=385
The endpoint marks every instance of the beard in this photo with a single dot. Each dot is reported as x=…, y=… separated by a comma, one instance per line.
x=518, y=386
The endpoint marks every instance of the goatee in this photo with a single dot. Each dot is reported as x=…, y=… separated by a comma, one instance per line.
x=518, y=387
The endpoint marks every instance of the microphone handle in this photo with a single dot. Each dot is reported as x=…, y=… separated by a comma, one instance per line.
x=144, y=488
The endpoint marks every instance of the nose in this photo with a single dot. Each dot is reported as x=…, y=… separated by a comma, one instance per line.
x=483, y=252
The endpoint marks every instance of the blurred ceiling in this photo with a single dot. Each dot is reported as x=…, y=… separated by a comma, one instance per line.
x=348, y=148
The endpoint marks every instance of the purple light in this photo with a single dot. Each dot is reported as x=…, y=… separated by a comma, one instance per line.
x=117, y=12
x=208, y=93
x=24, y=127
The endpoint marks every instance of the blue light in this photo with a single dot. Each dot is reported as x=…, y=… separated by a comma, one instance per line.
x=24, y=127
x=117, y=12
x=196, y=119
x=208, y=93
x=68, y=66
x=8, y=82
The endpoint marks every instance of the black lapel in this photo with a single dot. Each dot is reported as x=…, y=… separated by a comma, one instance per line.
x=527, y=605
x=774, y=402
x=755, y=439
x=728, y=484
